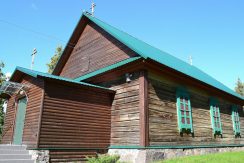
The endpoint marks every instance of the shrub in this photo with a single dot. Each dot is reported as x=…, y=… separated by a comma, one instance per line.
x=104, y=159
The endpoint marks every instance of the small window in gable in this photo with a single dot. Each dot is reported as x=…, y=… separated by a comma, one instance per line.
x=184, y=112
x=236, y=121
x=215, y=117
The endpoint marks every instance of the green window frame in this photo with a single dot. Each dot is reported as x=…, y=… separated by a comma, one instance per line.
x=236, y=121
x=215, y=117
x=184, y=112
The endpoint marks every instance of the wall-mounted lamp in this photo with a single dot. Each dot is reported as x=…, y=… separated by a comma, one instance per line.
x=128, y=77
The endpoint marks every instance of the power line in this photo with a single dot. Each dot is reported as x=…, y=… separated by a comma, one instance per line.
x=36, y=32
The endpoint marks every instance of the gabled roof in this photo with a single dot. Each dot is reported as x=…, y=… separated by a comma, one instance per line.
x=37, y=74
x=149, y=52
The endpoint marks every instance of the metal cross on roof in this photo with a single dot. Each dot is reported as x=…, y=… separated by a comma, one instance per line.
x=93, y=5
x=33, y=57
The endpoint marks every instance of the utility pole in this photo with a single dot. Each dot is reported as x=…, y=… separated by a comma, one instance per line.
x=33, y=57
x=93, y=5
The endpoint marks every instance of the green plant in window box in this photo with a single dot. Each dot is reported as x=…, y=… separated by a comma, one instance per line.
x=218, y=133
x=238, y=135
x=236, y=121
x=184, y=112
x=215, y=117
x=186, y=131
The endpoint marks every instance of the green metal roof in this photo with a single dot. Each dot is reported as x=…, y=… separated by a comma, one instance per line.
x=147, y=51
x=105, y=69
x=36, y=74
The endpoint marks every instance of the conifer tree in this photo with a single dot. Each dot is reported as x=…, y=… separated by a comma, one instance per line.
x=54, y=59
x=239, y=87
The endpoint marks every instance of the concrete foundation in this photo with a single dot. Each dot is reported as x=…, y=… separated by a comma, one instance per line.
x=151, y=155
x=40, y=156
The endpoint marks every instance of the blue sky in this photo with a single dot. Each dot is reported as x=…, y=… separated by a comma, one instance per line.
x=212, y=32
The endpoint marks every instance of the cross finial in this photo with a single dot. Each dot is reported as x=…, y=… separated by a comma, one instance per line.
x=190, y=60
x=93, y=5
x=33, y=57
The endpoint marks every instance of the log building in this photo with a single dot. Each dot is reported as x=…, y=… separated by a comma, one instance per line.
x=111, y=91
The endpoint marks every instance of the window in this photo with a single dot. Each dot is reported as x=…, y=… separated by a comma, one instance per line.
x=236, y=121
x=215, y=117
x=184, y=112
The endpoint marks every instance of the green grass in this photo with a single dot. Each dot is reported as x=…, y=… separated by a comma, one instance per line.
x=227, y=157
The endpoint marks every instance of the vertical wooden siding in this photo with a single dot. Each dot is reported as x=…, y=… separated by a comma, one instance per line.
x=125, y=116
x=30, y=132
x=95, y=49
x=163, y=129
x=75, y=117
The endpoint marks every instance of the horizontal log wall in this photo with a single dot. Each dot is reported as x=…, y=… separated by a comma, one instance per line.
x=9, y=122
x=75, y=117
x=34, y=105
x=125, y=123
x=163, y=126
x=30, y=133
x=95, y=49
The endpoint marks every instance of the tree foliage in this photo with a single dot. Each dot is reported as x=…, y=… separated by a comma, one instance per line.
x=2, y=79
x=239, y=87
x=54, y=59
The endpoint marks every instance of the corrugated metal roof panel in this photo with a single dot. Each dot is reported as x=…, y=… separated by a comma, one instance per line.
x=148, y=51
x=35, y=74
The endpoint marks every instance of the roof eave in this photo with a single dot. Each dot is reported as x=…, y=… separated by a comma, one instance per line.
x=36, y=75
x=71, y=41
x=239, y=97
x=108, y=68
x=82, y=84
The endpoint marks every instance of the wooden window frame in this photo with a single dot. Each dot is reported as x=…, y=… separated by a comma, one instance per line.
x=236, y=121
x=181, y=97
x=215, y=117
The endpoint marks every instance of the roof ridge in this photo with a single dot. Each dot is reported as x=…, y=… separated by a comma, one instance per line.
x=93, y=17
x=87, y=15
x=90, y=16
x=148, y=51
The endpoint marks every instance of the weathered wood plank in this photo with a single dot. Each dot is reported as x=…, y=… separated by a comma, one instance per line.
x=95, y=49
x=73, y=119
x=125, y=113
x=30, y=132
x=163, y=127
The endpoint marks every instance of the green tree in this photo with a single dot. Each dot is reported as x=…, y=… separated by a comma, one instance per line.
x=239, y=87
x=2, y=79
x=54, y=59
